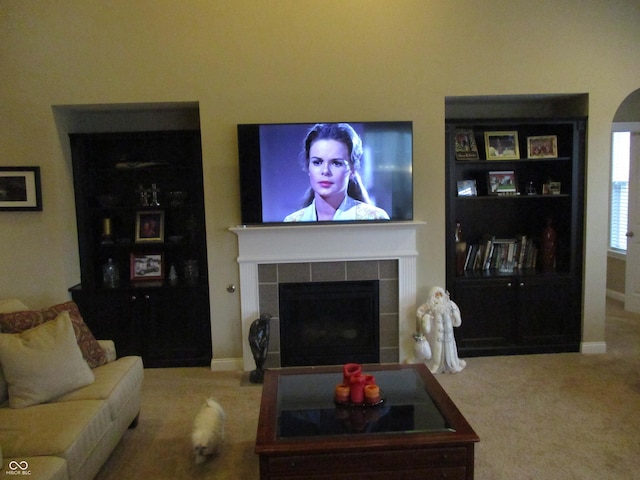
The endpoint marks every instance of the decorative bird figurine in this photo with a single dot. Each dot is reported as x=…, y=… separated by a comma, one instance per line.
x=259, y=343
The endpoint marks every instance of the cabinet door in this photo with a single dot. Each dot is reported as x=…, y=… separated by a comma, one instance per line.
x=176, y=329
x=112, y=315
x=546, y=313
x=488, y=309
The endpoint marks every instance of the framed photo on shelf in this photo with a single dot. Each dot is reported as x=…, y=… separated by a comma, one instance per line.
x=20, y=189
x=466, y=147
x=147, y=266
x=150, y=226
x=467, y=188
x=501, y=145
x=551, y=188
x=542, y=147
x=502, y=182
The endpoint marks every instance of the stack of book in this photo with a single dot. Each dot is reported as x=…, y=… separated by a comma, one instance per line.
x=504, y=255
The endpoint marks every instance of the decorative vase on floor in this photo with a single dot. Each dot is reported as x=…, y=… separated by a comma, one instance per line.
x=549, y=238
x=259, y=343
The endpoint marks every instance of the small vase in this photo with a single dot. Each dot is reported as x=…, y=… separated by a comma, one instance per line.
x=461, y=250
x=549, y=238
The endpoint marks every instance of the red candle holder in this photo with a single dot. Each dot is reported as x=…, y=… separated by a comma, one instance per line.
x=371, y=393
x=350, y=369
x=356, y=384
x=342, y=393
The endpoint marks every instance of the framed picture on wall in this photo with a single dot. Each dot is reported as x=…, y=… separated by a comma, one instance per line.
x=501, y=145
x=20, y=189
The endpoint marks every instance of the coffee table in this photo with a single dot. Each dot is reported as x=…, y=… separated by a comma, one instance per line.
x=417, y=432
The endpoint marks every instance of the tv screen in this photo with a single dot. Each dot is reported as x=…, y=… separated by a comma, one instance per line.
x=323, y=172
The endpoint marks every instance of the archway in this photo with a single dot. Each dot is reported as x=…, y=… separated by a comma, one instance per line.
x=625, y=271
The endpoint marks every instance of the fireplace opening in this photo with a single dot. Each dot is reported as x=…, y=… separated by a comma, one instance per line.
x=329, y=323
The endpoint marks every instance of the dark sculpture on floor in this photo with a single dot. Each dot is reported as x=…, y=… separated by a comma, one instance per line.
x=259, y=343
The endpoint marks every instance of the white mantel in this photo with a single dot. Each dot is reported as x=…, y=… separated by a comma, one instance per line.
x=328, y=243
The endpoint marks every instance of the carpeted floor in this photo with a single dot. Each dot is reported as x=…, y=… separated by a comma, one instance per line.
x=559, y=416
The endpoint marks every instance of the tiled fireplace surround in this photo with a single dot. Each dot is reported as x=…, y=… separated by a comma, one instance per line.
x=335, y=252
x=386, y=271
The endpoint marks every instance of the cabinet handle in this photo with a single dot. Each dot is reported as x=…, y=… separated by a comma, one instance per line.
x=146, y=297
x=133, y=298
x=509, y=285
x=522, y=284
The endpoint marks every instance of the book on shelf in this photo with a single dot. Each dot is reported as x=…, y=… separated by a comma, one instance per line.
x=504, y=255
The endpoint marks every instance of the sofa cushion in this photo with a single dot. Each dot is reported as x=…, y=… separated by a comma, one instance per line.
x=115, y=383
x=70, y=430
x=4, y=388
x=43, y=363
x=17, y=322
x=10, y=305
x=49, y=467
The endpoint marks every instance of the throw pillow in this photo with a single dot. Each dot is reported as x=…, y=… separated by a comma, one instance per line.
x=17, y=322
x=12, y=305
x=8, y=305
x=43, y=363
x=4, y=388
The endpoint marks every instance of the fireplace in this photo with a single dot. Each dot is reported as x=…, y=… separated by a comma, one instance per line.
x=284, y=253
x=329, y=323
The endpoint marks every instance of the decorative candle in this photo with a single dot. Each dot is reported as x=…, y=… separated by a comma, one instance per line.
x=369, y=380
x=342, y=393
x=356, y=384
x=348, y=370
x=106, y=227
x=371, y=393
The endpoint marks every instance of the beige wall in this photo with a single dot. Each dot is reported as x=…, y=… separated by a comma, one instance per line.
x=616, y=271
x=294, y=60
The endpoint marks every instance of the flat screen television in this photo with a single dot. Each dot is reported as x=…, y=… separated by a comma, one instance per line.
x=277, y=172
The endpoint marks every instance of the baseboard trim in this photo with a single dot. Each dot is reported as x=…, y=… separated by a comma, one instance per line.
x=615, y=295
x=226, y=364
x=593, y=348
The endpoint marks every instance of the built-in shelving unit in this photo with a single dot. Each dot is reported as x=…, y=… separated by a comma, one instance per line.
x=511, y=300
x=159, y=307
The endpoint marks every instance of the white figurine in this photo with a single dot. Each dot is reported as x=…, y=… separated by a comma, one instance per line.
x=421, y=349
x=435, y=320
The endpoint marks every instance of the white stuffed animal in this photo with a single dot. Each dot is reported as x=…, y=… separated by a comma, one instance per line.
x=436, y=319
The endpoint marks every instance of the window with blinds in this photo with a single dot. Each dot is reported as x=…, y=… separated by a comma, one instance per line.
x=619, y=191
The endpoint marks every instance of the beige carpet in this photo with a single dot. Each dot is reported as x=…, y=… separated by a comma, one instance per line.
x=560, y=416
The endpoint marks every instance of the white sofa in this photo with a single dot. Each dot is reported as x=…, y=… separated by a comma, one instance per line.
x=72, y=435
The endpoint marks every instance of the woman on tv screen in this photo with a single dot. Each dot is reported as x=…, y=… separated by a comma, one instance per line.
x=331, y=157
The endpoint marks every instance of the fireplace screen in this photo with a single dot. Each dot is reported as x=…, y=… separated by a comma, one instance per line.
x=329, y=323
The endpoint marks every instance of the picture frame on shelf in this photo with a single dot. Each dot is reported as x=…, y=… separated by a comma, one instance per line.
x=545, y=146
x=502, y=145
x=150, y=226
x=502, y=182
x=551, y=188
x=466, y=147
x=20, y=189
x=147, y=266
x=467, y=188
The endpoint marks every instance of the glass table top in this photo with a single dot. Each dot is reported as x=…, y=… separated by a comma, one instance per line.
x=306, y=407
